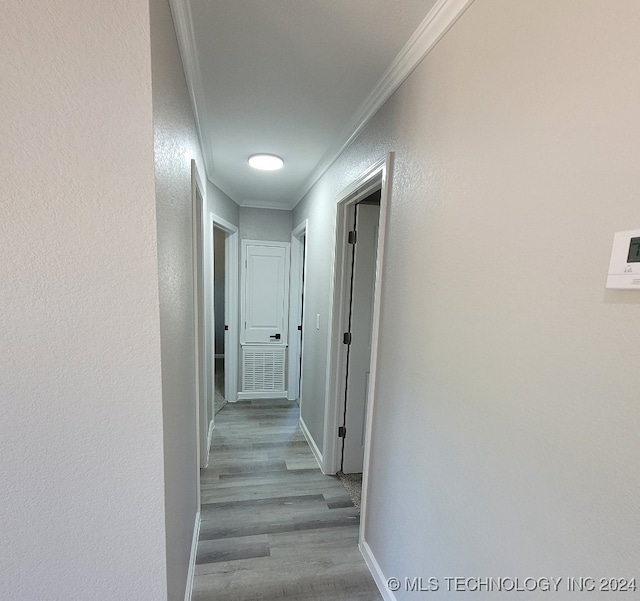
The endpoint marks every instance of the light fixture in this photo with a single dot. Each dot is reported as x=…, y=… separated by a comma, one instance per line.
x=266, y=162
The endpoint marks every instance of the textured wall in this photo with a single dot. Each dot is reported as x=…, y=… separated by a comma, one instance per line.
x=81, y=507
x=265, y=224
x=319, y=209
x=505, y=429
x=176, y=142
x=221, y=205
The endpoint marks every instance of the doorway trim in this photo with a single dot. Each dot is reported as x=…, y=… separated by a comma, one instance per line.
x=377, y=176
x=198, y=202
x=231, y=337
x=297, y=292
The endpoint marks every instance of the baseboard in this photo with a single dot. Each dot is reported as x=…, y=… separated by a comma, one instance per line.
x=192, y=560
x=245, y=396
x=312, y=443
x=376, y=572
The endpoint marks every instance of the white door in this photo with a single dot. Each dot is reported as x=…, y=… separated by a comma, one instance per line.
x=360, y=326
x=265, y=292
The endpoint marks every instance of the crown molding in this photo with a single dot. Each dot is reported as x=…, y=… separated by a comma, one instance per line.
x=439, y=20
x=256, y=204
x=434, y=26
x=183, y=23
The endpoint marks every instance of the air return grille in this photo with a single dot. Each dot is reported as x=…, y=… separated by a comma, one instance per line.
x=262, y=369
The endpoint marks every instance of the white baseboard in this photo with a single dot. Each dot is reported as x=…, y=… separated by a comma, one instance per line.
x=312, y=443
x=244, y=396
x=192, y=559
x=376, y=572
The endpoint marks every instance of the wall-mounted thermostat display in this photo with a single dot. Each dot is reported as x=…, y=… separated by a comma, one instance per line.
x=624, y=268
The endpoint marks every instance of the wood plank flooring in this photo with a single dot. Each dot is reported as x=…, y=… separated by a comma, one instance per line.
x=218, y=381
x=273, y=526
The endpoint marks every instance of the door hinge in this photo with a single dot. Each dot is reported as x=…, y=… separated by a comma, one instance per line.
x=342, y=432
x=299, y=328
x=346, y=338
x=353, y=237
x=226, y=328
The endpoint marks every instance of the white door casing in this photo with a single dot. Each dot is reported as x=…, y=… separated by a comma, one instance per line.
x=231, y=338
x=377, y=176
x=202, y=421
x=296, y=309
x=231, y=304
x=360, y=326
x=265, y=293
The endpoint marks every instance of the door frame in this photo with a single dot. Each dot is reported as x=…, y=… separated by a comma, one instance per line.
x=243, y=292
x=231, y=336
x=297, y=296
x=353, y=296
x=377, y=176
x=198, y=202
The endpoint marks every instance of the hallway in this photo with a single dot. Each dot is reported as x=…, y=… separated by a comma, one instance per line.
x=273, y=526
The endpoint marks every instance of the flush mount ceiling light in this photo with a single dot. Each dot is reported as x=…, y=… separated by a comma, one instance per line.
x=266, y=162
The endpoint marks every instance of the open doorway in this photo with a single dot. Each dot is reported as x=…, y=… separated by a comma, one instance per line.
x=363, y=240
x=296, y=311
x=224, y=329
x=220, y=323
x=363, y=206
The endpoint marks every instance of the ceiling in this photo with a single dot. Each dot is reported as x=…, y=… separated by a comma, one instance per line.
x=289, y=77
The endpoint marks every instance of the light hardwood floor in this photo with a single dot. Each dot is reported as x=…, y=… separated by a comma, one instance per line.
x=273, y=526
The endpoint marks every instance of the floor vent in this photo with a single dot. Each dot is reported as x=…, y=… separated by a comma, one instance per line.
x=262, y=369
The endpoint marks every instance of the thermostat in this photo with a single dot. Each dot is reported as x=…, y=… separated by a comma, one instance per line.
x=624, y=268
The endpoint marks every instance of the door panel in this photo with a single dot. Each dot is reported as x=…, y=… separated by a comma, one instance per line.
x=265, y=286
x=361, y=317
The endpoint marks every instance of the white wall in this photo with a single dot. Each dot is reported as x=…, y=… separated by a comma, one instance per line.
x=82, y=508
x=319, y=209
x=176, y=142
x=505, y=430
x=222, y=205
x=265, y=224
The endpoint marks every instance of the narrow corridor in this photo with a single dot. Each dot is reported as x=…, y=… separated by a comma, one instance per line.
x=273, y=526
